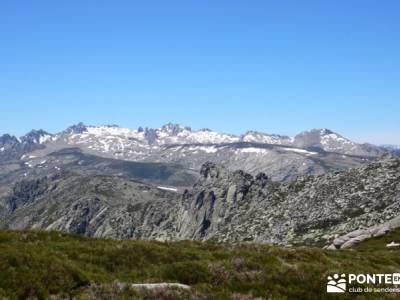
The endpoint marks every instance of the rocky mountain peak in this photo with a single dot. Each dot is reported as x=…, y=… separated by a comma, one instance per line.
x=323, y=131
x=174, y=129
x=314, y=135
x=316, y=132
x=252, y=132
x=13, y=148
x=330, y=141
x=77, y=128
x=150, y=135
x=8, y=139
x=36, y=137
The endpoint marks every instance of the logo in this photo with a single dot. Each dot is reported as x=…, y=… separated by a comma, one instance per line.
x=336, y=284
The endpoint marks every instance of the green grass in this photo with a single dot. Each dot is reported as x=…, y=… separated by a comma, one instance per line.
x=37, y=264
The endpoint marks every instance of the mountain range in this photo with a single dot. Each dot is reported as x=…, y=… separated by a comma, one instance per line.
x=282, y=158
x=173, y=183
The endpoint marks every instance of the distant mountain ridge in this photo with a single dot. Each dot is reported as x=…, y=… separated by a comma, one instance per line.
x=175, y=134
x=283, y=158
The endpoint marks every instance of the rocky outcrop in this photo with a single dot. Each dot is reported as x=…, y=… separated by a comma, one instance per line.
x=98, y=206
x=355, y=237
x=338, y=209
x=234, y=206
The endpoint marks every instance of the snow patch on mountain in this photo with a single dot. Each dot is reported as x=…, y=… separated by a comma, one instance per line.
x=335, y=142
x=254, y=150
x=165, y=188
x=259, y=137
x=44, y=138
x=302, y=151
x=207, y=149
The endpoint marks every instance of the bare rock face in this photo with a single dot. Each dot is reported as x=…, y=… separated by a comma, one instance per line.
x=98, y=206
x=234, y=206
x=76, y=129
x=337, y=209
x=12, y=148
x=355, y=237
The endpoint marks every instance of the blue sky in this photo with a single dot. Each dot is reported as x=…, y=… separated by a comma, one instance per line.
x=274, y=66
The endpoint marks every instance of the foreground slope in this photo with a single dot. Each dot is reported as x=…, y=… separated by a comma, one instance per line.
x=44, y=264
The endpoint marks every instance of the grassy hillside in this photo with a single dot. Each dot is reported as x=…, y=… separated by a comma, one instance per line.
x=42, y=264
x=379, y=243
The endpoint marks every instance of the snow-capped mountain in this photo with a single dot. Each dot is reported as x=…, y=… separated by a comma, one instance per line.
x=263, y=138
x=36, y=137
x=281, y=157
x=109, y=136
x=169, y=134
x=12, y=147
x=148, y=143
x=143, y=142
x=330, y=141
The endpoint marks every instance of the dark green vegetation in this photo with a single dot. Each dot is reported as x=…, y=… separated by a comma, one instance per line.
x=41, y=264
